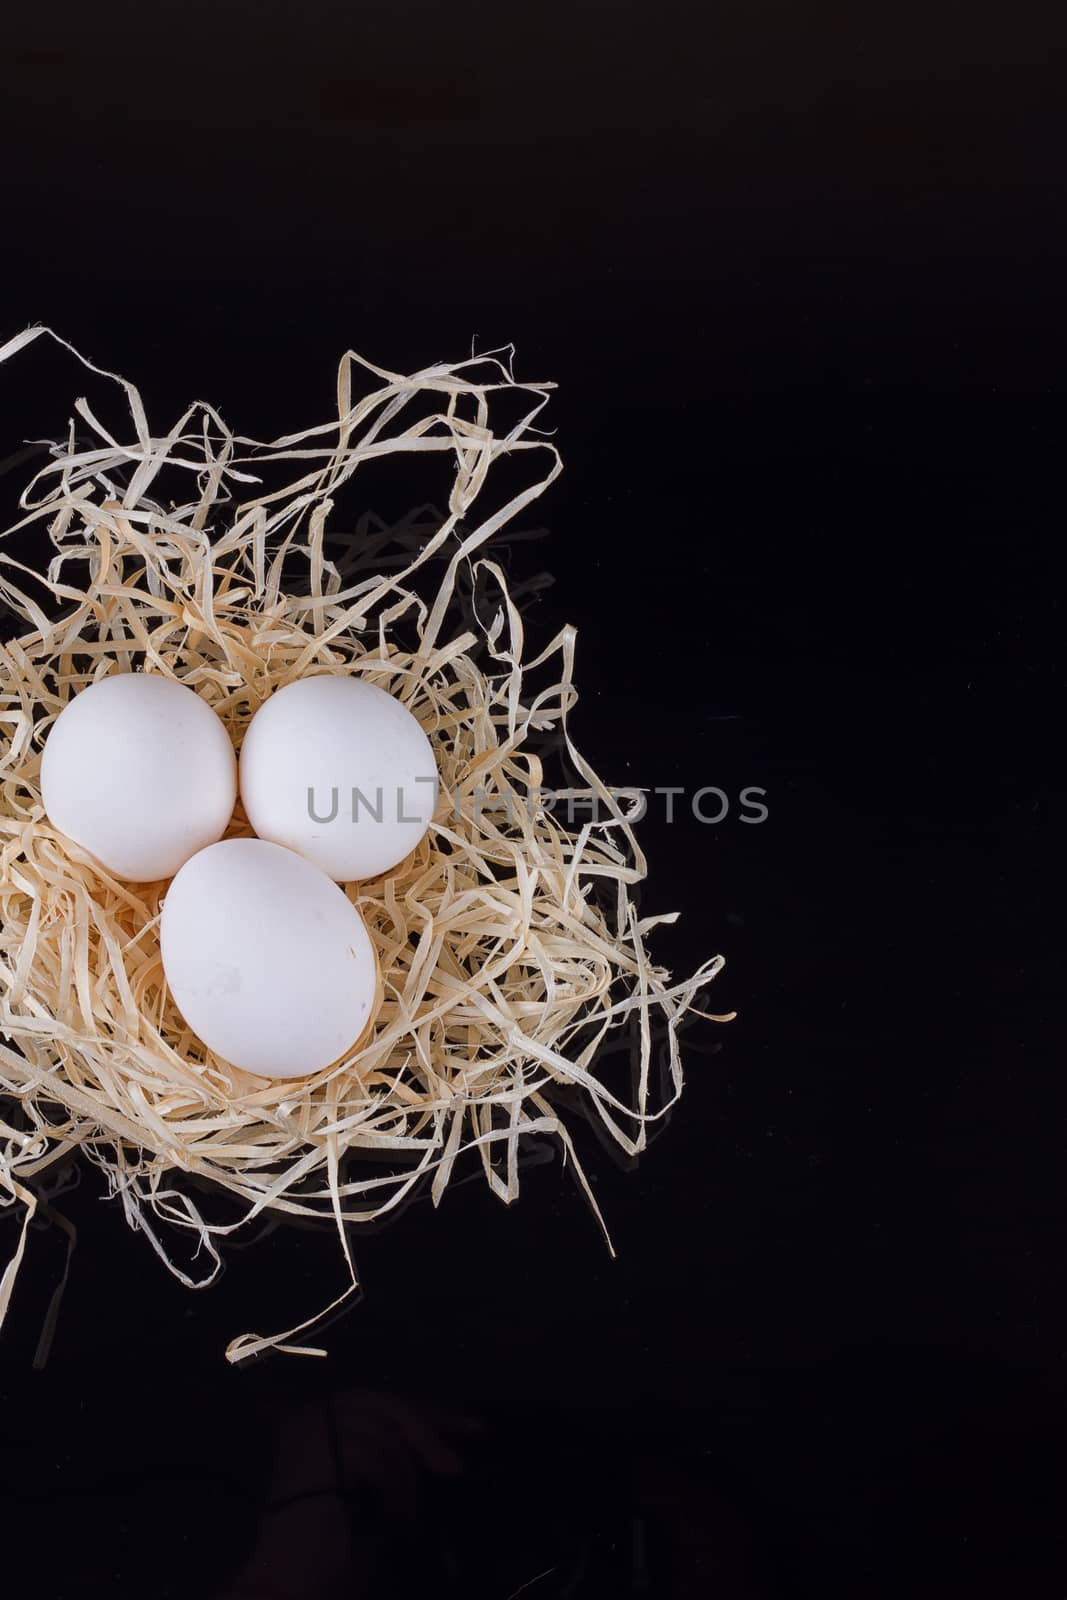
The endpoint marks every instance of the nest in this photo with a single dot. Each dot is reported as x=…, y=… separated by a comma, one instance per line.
x=511, y=952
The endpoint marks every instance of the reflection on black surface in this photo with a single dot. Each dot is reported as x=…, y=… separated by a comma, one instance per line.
x=372, y=1494
x=885, y=1472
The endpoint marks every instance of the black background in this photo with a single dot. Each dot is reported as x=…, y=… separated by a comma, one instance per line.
x=798, y=272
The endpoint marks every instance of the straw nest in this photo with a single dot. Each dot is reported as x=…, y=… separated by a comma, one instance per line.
x=510, y=949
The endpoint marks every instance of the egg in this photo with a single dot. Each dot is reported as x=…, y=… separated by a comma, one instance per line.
x=140, y=772
x=267, y=959
x=341, y=772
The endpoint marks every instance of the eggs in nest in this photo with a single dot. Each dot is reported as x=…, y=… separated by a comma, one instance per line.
x=266, y=957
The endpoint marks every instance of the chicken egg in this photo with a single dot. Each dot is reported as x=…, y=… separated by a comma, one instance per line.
x=140, y=772
x=340, y=771
x=267, y=959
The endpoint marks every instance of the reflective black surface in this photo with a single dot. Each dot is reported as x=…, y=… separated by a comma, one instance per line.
x=798, y=275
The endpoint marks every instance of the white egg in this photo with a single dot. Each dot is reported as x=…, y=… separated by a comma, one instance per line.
x=139, y=771
x=340, y=771
x=268, y=961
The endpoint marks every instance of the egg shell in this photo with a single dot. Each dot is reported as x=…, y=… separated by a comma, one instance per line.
x=139, y=771
x=338, y=770
x=267, y=959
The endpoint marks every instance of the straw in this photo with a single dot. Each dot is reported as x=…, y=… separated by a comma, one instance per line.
x=512, y=958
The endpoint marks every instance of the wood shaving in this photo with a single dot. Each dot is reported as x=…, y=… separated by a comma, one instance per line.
x=511, y=955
